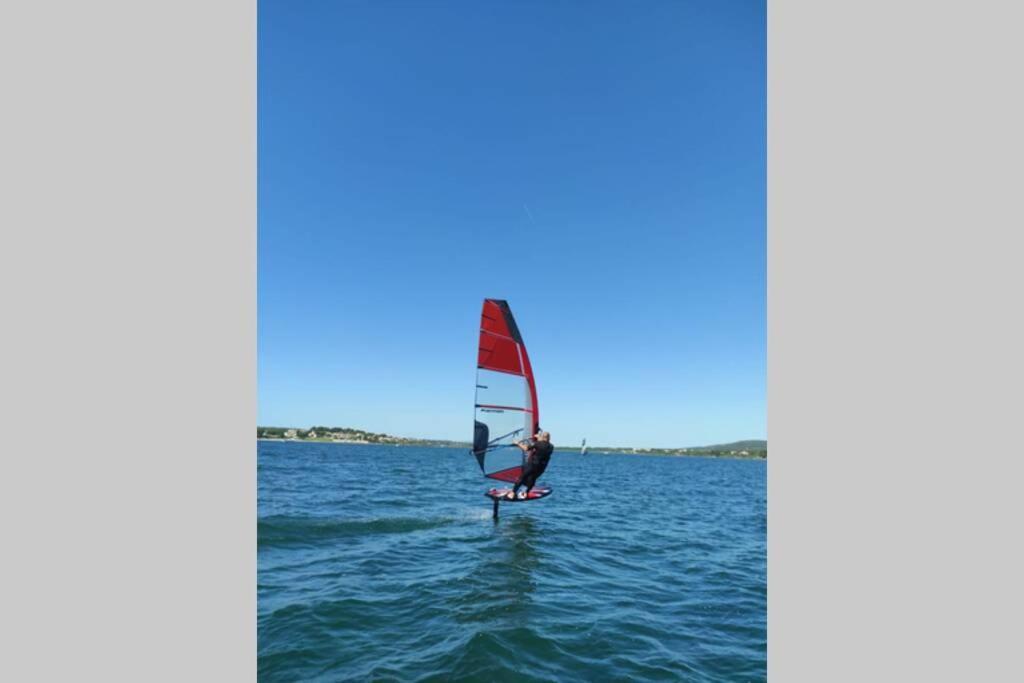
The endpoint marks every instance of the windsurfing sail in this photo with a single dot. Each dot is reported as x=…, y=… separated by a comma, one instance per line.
x=506, y=394
x=583, y=447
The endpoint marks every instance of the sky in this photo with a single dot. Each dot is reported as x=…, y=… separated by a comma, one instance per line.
x=600, y=165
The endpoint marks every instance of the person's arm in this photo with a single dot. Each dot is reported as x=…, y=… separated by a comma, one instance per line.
x=522, y=446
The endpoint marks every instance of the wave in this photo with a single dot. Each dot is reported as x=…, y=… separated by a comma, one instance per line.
x=288, y=530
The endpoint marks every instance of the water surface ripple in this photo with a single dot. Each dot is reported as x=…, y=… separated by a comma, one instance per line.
x=380, y=563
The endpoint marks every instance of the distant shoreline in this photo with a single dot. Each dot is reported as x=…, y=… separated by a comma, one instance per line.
x=602, y=451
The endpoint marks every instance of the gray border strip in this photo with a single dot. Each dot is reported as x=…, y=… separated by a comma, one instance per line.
x=128, y=364
x=894, y=340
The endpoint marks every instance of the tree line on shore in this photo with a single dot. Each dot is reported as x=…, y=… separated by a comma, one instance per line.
x=739, y=449
x=346, y=434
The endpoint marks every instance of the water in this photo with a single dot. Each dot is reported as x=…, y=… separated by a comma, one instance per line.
x=380, y=563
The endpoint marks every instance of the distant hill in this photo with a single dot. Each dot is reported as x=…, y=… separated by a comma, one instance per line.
x=750, y=445
x=751, y=448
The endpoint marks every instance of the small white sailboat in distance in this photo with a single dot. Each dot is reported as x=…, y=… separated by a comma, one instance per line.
x=583, y=447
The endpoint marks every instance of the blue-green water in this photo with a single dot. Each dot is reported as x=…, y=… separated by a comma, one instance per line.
x=381, y=563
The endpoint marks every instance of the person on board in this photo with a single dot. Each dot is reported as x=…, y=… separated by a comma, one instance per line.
x=538, y=454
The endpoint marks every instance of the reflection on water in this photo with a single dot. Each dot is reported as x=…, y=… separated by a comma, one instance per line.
x=519, y=541
x=502, y=579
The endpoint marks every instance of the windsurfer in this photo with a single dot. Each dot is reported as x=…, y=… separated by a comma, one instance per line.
x=538, y=454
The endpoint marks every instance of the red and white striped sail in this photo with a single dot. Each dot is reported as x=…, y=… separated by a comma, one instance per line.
x=506, y=394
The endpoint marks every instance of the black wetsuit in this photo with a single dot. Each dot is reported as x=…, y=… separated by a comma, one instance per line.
x=536, y=462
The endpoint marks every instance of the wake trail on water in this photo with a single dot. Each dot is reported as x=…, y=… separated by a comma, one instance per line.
x=286, y=530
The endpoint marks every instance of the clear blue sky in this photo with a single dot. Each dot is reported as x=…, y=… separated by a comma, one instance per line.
x=599, y=165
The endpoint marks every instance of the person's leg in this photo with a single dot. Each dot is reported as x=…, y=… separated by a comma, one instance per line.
x=535, y=472
x=519, y=482
x=524, y=477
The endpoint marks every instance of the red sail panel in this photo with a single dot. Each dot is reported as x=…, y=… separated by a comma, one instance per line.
x=493, y=317
x=510, y=475
x=499, y=353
